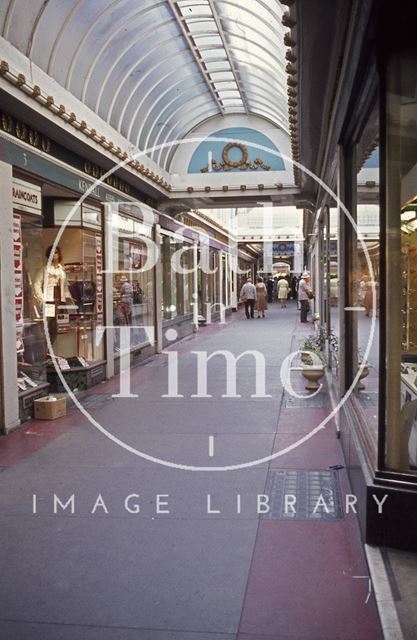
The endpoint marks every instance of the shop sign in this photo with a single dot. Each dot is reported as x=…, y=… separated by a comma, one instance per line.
x=99, y=281
x=18, y=281
x=283, y=249
x=26, y=197
x=37, y=164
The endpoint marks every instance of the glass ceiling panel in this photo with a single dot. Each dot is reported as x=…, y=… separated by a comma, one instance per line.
x=222, y=76
x=196, y=7
x=204, y=40
x=214, y=54
x=165, y=63
x=218, y=65
x=240, y=43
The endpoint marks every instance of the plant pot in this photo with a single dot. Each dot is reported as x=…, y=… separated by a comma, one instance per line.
x=313, y=374
x=365, y=372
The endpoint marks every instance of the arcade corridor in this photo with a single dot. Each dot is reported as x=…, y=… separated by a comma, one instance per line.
x=188, y=574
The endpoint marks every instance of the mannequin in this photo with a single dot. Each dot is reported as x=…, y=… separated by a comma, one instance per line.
x=51, y=288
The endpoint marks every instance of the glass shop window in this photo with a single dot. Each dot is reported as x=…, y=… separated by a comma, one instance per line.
x=177, y=288
x=30, y=336
x=133, y=280
x=71, y=292
x=364, y=286
x=401, y=427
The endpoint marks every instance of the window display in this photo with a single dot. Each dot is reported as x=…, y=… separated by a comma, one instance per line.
x=133, y=281
x=71, y=292
x=30, y=338
x=401, y=336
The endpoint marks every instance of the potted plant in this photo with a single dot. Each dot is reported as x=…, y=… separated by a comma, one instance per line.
x=312, y=357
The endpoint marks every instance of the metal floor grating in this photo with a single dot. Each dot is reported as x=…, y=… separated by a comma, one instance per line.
x=317, y=402
x=95, y=400
x=307, y=486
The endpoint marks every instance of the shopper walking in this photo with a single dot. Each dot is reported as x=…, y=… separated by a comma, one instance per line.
x=270, y=288
x=305, y=294
x=283, y=288
x=248, y=296
x=293, y=287
x=261, y=297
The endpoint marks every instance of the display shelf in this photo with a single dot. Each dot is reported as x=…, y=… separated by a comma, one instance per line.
x=409, y=299
x=77, y=378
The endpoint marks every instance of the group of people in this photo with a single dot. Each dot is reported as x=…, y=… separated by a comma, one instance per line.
x=282, y=287
x=256, y=297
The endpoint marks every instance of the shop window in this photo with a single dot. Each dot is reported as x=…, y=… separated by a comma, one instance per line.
x=30, y=336
x=214, y=278
x=133, y=280
x=177, y=288
x=70, y=291
x=401, y=336
x=334, y=293
x=364, y=286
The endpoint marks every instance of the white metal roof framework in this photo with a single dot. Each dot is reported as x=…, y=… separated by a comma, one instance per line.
x=156, y=69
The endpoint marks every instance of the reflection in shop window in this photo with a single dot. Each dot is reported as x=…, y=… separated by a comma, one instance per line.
x=364, y=285
x=177, y=288
x=401, y=435
x=133, y=281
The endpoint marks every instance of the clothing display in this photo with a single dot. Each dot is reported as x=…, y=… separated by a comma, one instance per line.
x=51, y=286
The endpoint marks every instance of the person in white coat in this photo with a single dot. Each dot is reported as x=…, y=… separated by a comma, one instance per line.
x=248, y=296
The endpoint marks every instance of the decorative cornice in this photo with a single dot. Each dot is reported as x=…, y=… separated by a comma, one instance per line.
x=290, y=41
x=34, y=91
x=203, y=190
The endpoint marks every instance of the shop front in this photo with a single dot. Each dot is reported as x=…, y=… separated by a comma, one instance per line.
x=371, y=318
x=64, y=290
x=59, y=292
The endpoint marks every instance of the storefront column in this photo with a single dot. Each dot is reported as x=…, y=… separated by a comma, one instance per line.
x=220, y=278
x=9, y=404
x=158, y=292
x=108, y=288
x=195, y=287
x=234, y=265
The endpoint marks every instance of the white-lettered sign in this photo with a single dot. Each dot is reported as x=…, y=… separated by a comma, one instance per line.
x=26, y=197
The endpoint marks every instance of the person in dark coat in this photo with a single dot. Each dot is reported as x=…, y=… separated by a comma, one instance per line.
x=270, y=288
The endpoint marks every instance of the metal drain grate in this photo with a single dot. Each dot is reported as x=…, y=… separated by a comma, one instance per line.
x=317, y=402
x=95, y=400
x=310, y=488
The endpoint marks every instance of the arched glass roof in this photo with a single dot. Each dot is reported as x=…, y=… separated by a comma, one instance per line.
x=156, y=69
